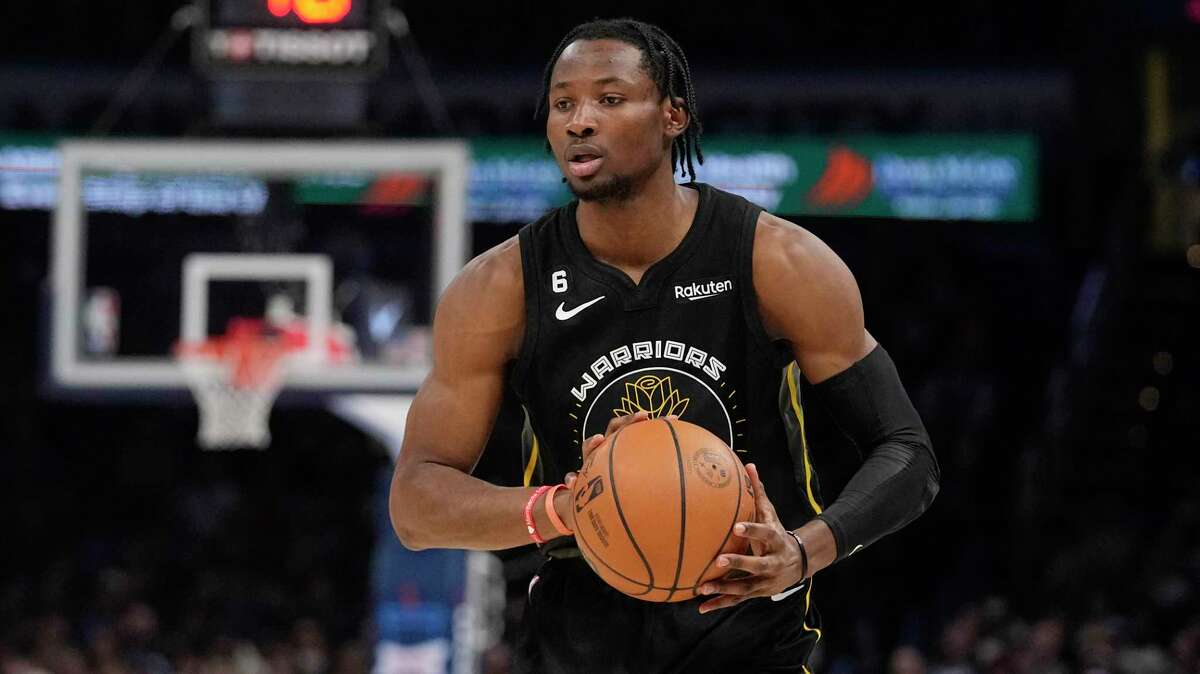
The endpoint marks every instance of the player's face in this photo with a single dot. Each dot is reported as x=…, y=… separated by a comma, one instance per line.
x=609, y=127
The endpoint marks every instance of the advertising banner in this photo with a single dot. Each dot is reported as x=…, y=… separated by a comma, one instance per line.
x=922, y=177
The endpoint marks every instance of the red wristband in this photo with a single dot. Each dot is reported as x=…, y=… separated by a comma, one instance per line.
x=529, y=524
x=553, y=514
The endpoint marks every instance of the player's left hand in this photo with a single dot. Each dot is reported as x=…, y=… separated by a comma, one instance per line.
x=774, y=565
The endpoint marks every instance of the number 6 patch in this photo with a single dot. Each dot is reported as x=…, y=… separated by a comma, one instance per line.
x=558, y=281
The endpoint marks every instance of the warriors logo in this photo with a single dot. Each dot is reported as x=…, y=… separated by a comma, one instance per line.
x=663, y=391
x=652, y=394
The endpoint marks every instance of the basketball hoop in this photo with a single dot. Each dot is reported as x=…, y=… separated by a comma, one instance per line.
x=235, y=379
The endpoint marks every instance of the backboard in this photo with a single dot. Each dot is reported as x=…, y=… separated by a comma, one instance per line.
x=158, y=241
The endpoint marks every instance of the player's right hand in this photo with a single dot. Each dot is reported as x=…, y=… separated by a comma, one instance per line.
x=593, y=443
x=562, y=501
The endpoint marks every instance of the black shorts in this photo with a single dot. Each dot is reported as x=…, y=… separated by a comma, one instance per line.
x=574, y=622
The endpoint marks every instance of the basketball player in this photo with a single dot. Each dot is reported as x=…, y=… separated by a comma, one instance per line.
x=644, y=298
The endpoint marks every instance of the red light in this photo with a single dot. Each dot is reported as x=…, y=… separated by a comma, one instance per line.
x=1193, y=11
x=312, y=11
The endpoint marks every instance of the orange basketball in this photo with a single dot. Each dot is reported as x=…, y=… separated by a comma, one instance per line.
x=654, y=506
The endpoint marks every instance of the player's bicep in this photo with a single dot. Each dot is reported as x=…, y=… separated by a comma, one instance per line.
x=476, y=332
x=808, y=297
x=450, y=420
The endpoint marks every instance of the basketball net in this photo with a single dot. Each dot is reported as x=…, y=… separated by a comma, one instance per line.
x=235, y=379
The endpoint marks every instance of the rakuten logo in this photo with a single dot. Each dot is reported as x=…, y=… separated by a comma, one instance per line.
x=699, y=290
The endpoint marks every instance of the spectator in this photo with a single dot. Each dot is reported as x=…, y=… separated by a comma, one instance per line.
x=1045, y=647
x=958, y=644
x=1185, y=650
x=1096, y=647
x=906, y=660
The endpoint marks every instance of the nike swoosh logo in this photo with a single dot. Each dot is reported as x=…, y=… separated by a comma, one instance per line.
x=562, y=313
x=787, y=593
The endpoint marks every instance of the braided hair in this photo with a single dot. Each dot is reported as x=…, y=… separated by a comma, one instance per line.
x=662, y=59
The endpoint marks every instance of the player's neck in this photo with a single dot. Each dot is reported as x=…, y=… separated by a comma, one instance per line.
x=635, y=233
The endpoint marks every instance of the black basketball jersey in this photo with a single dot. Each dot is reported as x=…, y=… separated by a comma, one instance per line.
x=686, y=340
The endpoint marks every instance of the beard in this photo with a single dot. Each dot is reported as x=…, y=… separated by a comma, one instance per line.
x=616, y=189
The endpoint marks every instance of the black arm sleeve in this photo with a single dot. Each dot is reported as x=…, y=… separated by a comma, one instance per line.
x=899, y=478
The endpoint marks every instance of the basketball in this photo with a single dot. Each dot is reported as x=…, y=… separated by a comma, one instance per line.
x=654, y=506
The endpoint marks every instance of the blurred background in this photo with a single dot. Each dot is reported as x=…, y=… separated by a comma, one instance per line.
x=1016, y=186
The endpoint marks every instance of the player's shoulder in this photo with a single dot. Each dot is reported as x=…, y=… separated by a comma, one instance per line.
x=493, y=274
x=806, y=295
x=491, y=284
x=547, y=221
x=781, y=245
x=498, y=273
x=795, y=271
x=482, y=311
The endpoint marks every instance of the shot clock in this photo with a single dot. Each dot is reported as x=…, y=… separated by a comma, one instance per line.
x=285, y=39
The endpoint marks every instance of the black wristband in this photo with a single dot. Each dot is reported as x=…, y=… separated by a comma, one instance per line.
x=803, y=554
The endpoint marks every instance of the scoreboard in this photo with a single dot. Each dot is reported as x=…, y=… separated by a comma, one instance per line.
x=286, y=39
